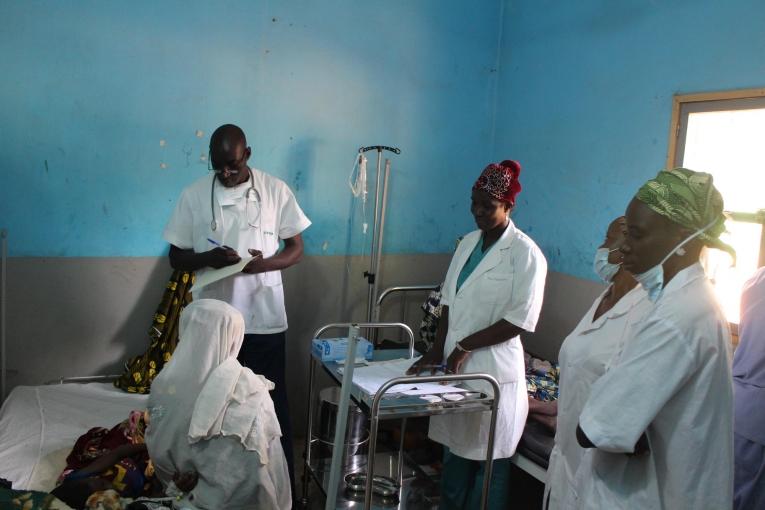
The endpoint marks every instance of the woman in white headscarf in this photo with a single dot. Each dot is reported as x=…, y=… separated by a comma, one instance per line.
x=212, y=416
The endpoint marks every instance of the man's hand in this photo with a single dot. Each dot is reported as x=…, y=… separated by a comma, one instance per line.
x=222, y=256
x=255, y=265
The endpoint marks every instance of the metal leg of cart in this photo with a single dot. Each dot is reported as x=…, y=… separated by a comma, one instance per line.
x=375, y=411
x=341, y=421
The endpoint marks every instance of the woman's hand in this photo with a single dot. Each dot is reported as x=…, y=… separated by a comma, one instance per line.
x=455, y=361
x=186, y=481
x=431, y=360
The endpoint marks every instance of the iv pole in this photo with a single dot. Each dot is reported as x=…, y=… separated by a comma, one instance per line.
x=378, y=226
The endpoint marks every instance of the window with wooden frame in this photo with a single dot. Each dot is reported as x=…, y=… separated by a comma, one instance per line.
x=723, y=133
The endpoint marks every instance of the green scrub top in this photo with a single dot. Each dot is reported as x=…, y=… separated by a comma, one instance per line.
x=472, y=262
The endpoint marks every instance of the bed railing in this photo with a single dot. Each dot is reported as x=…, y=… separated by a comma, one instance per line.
x=392, y=290
x=84, y=379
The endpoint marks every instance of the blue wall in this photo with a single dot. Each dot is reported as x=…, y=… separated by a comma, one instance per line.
x=579, y=92
x=90, y=88
x=585, y=101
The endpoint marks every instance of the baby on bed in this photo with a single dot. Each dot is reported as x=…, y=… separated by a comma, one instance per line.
x=109, y=466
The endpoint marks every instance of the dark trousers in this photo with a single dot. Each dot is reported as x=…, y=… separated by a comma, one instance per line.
x=265, y=355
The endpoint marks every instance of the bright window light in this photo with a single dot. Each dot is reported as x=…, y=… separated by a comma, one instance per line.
x=728, y=144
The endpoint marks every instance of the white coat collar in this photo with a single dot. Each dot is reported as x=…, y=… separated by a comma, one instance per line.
x=622, y=307
x=491, y=259
x=683, y=278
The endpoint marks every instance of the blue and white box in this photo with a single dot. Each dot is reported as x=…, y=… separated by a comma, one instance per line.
x=335, y=349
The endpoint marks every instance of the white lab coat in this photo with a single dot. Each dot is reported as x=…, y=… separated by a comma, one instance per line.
x=241, y=225
x=672, y=381
x=584, y=357
x=507, y=284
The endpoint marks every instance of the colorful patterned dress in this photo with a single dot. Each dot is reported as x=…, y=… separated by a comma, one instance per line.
x=141, y=370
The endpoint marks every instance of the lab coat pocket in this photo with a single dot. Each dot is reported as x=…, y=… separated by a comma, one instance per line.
x=270, y=245
x=269, y=234
x=496, y=287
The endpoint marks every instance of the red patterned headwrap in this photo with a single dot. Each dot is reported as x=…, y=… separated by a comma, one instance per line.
x=500, y=180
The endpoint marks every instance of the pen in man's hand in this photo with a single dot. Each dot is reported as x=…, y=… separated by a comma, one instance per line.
x=216, y=243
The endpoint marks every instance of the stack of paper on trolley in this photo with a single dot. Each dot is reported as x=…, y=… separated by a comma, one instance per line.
x=371, y=378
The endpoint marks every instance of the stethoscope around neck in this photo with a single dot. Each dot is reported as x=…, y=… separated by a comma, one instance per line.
x=252, y=195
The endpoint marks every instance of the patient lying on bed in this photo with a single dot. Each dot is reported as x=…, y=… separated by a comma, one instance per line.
x=212, y=416
x=108, y=459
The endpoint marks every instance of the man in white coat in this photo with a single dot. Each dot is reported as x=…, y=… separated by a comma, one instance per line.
x=234, y=212
x=659, y=422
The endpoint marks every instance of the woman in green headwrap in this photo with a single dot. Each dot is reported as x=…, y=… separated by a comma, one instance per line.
x=658, y=424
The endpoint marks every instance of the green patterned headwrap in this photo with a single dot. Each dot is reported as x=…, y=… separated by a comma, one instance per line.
x=689, y=199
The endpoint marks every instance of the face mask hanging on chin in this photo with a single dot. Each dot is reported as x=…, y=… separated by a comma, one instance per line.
x=603, y=268
x=652, y=280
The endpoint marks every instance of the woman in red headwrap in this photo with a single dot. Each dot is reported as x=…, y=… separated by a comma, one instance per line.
x=492, y=293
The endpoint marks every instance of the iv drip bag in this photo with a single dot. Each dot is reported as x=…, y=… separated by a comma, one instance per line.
x=359, y=188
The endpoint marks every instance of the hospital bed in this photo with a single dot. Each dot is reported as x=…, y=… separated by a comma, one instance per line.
x=533, y=452
x=40, y=424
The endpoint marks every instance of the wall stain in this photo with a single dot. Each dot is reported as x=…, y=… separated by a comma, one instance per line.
x=298, y=179
x=187, y=151
x=105, y=209
x=46, y=166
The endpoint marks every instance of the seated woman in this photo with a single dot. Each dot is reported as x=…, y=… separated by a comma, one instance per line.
x=585, y=355
x=212, y=416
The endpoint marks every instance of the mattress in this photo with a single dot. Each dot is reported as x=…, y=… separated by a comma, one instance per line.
x=39, y=425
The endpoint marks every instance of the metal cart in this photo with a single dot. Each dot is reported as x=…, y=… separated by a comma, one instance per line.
x=380, y=406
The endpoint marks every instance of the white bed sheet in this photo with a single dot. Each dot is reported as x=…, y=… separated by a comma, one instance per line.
x=36, y=421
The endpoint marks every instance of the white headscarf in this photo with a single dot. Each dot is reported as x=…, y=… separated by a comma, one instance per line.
x=203, y=394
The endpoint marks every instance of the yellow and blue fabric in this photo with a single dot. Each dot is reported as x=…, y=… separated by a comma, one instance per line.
x=141, y=370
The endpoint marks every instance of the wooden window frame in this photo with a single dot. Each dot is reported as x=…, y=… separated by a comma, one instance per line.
x=674, y=134
x=678, y=101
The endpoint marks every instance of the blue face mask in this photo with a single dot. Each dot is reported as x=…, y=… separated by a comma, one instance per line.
x=652, y=280
x=603, y=268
